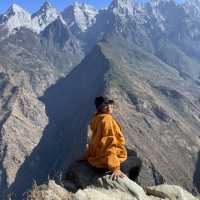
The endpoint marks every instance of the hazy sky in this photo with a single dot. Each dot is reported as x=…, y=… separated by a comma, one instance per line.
x=33, y=5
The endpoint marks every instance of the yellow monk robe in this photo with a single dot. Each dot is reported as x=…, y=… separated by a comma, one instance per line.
x=106, y=148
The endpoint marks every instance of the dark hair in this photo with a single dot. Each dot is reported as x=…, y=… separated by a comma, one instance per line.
x=101, y=101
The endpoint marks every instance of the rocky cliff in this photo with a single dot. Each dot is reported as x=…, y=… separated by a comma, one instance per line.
x=96, y=186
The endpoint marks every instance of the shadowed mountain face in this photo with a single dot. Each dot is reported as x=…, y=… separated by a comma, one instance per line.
x=65, y=136
x=144, y=57
x=196, y=176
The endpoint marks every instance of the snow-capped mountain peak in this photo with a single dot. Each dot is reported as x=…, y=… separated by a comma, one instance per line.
x=123, y=3
x=122, y=7
x=88, y=8
x=46, y=5
x=44, y=16
x=14, y=9
x=16, y=17
x=44, y=8
x=193, y=2
x=192, y=7
x=80, y=15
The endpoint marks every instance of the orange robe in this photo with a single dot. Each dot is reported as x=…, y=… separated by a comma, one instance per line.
x=106, y=148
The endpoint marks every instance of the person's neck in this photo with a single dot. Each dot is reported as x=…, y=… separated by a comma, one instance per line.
x=99, y=112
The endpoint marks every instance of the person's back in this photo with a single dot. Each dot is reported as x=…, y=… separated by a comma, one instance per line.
x=106, y=149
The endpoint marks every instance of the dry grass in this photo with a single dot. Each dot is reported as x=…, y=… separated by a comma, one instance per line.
x=48, y=191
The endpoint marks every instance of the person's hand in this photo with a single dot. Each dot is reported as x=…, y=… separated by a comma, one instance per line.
x=116, y=174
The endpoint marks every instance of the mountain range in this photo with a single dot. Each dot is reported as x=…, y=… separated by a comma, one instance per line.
x=53, y=64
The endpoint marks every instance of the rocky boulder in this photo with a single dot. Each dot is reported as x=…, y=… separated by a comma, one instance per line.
x=108, y=189
x=82, y=182
x=49, y=191
x=125, y=189
x=80, y=174
x=171, y=192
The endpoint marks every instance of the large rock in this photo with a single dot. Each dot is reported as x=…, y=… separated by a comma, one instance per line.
x=88, y=183
x=83, y=182
x=81, y=174
x=49, y=191
x=107, y=189
x=171, y=192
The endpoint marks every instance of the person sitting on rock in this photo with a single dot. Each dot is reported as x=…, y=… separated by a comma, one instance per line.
x=106, y=149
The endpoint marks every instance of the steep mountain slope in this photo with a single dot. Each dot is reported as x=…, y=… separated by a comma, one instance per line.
x=160, y=111
x=175, y=36
x=23, y=119
x=62, y=48
x=153, y=26
x=36, y=61
x=121, y=17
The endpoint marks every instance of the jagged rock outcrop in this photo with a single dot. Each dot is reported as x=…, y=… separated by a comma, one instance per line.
x=79, y=17
x=87, y=183
x=125, y=189
x=122, y=8
x=106, y=188
x=49, y=191
x=169, y=192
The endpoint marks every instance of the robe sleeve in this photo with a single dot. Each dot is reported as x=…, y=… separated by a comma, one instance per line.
x=108, y=144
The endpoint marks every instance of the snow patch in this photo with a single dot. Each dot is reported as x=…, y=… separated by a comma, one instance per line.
x=122, y=8
x=16, y=17
x=42, y=18
x=81, y=15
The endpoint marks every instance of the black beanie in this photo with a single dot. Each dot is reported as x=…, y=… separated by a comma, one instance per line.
x=101, y=101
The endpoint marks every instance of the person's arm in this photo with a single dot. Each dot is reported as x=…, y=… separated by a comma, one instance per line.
x=108, y=148
x=108, y=145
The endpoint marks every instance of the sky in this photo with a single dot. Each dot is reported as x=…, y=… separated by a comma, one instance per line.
x=34, y=5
